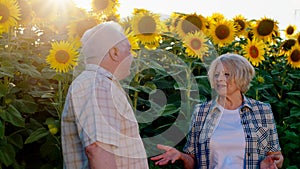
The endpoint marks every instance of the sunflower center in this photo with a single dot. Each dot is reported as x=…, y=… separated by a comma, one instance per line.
x=254, y=52
x=241, y=24
x=295, y=56
x=101, y=4
x=191, y=24
x=290, y=30
x=62, y=56
x=147, y=25
x=288, y=44
x=265, y=27
x=195, y=44
x=222, y=32
x=4, y=12
x=84, y=25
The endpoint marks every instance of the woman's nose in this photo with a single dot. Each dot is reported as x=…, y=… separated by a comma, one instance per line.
x=221, y=77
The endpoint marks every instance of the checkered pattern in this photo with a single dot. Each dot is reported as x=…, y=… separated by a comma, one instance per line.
x=258, y=124
x=97, y=109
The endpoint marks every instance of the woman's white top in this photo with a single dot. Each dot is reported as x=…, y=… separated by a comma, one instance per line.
x=227, y=144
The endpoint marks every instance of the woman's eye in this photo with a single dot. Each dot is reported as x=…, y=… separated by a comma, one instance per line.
x=227, y=75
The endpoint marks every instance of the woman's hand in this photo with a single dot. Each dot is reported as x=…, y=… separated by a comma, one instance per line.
x=170, y=155
x=272, y=161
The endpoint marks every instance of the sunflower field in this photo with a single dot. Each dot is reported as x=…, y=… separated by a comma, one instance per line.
x=40, y=50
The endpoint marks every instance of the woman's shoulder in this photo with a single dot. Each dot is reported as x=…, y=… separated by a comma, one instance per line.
x=201, y=109
x=205, y=104
x=255, y=102
x=257, y=105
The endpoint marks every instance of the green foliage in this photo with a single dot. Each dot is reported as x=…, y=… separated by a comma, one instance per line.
x=165, y=86
x=29, y=97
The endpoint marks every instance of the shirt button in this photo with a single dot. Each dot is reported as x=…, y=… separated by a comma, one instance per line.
x=248, y=154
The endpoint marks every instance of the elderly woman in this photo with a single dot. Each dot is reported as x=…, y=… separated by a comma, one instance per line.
x=232, y=130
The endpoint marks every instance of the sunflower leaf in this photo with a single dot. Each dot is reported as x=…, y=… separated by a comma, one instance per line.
x=36, y=135
x=29, y=70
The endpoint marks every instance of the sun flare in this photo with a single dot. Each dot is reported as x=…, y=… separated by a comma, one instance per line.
x=86, y=4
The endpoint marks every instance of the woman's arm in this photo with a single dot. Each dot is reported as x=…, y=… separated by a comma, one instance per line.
x=171, y=155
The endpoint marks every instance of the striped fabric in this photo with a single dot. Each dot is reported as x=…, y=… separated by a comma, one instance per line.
x=97, y=109
x=258, y=124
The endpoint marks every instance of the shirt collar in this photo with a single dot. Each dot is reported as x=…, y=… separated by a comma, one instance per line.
x=100, y=70
x=246, y=103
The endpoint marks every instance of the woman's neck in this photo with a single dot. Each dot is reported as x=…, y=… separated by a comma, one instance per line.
x=230, y=102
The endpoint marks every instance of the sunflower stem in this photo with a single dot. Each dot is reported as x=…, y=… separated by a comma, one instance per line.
x=136, y=80
x=188, y=93
x=59, y=98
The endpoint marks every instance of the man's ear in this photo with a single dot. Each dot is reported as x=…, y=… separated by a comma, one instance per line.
x=113, y=54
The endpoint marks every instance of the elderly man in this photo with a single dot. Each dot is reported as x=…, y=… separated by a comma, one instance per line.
x=99, y=129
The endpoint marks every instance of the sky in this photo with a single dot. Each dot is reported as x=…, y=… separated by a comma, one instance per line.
x=285, y=12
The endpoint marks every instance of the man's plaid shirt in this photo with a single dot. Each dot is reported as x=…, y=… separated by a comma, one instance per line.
x=258, y=124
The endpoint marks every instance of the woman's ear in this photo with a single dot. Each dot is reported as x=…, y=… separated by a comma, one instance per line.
x=113, y=54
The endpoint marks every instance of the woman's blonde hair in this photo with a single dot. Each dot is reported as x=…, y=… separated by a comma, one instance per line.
x=240, y=70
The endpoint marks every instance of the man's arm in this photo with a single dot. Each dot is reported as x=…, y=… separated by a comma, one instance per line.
x=188, y=161
x=100, y=156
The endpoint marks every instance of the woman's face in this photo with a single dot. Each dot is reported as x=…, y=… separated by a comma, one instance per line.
x=224, y=83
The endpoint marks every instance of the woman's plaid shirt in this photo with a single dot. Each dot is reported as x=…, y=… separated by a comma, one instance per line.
x=258, y=124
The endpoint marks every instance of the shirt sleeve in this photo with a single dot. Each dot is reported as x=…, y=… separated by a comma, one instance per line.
x=273, y=136
x=189, y=146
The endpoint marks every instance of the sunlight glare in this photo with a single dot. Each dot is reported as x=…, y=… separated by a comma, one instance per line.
x=84, y=4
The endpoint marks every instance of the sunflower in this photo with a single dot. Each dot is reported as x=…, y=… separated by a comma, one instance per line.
x=113, y=17
x=297, y=36
x=75, y=42
x=216, y=17
x=77, y=27
x=26, y=12
x=133, y=40
x=260, y=79
x=10, y=12
x=286, y=46
x=290, y=31
x=106, y=7
x=63, y=56
x=222, y=32
x=241, y=24
x=1, y=27
x=294, y=57
x=146, y=27
x=139, y=10
x=265, y=29
x=152, y=45
x=255, y=51
x=195, y=44
x=190, y=24
x=173, y=21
